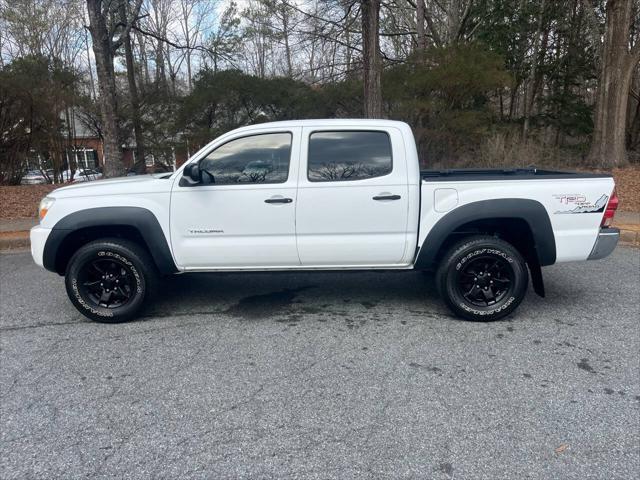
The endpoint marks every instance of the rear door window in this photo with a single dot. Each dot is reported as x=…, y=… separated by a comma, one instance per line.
x=337, y=156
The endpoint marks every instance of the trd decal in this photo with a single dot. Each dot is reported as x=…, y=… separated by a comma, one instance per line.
x=580, y=204
x=568, y=199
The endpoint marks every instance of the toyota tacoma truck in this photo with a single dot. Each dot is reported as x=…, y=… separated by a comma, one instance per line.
x=323, y=195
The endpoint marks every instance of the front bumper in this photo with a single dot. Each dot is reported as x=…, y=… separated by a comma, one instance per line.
x=38, y=237
x=605, y=243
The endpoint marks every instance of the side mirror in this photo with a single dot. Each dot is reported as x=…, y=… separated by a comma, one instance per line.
x=191, y=175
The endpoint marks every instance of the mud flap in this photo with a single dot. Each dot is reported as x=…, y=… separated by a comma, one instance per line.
x=536, y=277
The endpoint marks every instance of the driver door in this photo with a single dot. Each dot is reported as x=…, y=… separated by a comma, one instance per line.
x=243, y=215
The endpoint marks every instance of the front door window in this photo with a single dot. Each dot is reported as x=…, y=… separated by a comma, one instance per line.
x=250, y=160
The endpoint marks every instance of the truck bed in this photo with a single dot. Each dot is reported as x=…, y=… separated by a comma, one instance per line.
x=475, y=174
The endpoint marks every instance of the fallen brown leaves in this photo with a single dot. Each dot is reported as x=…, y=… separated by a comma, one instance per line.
x=628, y=188
x=22, y=201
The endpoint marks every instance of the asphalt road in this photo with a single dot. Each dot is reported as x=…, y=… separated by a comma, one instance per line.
x=323, y=375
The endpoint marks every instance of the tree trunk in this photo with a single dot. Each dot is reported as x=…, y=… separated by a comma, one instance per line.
x=285, y=34
x=112, y=158
x=189, y=85
x=453, y=20
x=143, y=59
x=633, y=114
x=617, y=64
x=186, y=10
x=160, y=75
x=90, y=68
x=531, y=91
x=371, y=59
x=421, y=37
x=140, y=165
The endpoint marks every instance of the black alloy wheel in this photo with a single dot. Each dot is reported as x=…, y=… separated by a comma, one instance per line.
x=485, y=280
x=107, y=282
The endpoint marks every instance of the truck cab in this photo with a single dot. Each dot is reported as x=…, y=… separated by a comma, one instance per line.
x=337, y=195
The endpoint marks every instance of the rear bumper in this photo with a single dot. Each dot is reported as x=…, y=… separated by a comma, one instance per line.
x=605, y=243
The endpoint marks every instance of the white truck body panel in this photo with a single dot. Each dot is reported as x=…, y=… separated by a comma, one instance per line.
x=151, y=192
x=575, y=234
x=230, y=226
x=338, y=223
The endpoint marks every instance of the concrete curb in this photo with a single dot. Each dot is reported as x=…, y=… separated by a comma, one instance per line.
x=14, y=240
x=629, y=237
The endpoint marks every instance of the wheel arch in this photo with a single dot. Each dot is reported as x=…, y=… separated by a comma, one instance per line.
x=524, y=223
x=132, y=223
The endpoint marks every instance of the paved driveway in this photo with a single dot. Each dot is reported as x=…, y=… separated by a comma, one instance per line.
x=323, y=375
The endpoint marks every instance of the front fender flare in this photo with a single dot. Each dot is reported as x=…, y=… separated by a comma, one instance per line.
x=143, y=220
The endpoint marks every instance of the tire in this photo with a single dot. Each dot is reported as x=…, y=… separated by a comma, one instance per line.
x=482, y=278
x=108, y=280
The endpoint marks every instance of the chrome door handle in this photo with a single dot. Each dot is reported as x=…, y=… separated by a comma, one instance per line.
x=387, y=197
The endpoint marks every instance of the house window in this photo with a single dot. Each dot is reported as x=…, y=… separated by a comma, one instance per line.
x=85, y=158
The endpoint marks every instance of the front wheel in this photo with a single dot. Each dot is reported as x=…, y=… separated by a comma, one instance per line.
x=108, y=280
x=482, y=278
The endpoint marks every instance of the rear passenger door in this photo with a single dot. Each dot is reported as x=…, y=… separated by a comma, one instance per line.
x=352, y=198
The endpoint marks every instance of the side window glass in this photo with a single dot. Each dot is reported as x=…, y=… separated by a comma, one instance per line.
x=348, y=155
x=247, y=160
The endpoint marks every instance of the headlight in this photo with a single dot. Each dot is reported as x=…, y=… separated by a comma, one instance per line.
x=45, y=205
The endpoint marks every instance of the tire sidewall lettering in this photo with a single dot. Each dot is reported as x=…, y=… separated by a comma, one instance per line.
x=481, y=251
x=485, y=313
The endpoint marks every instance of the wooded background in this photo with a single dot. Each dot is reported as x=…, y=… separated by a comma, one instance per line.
x=481, y=82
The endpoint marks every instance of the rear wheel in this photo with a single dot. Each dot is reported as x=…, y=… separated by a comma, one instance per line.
x=482, y=278
x=108, y=280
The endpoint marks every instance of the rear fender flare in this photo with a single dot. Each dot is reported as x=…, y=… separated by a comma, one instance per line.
x=531, y=211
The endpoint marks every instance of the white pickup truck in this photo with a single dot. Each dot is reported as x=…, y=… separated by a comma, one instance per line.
x=323, y=195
